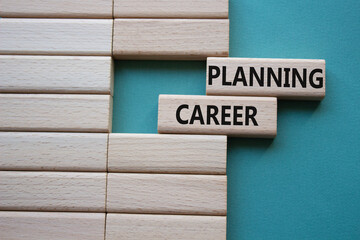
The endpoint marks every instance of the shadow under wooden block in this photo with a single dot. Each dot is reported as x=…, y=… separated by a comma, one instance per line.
x=224, y=115
x=171, y=227
x=167, y=193
x=53, y=151
x=51, y=225
x=167, y=153
x=52, y=191
x=56, y=74
x=299, y=79
x=171, y=39
x=56, y=8
x=19, y=36
x=55, y=112
x=171, y=9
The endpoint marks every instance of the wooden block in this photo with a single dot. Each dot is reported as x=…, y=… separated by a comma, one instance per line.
x=55, y=112
x=170, y=227
x=56, y=74
x=53, y=151
x=52, y=191
x=171, y=8
x=166, y=153
x=166, y=193
x=233, y=116
x=56, y=8
x=283, y=78
x=51, y=225
x=55, y=36
x=173, y=39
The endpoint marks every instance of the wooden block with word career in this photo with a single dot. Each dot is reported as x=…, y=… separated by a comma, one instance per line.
x=233, y=116
x=171, y=227
x=171, y=8
x=55, y=36
x=166, y=193
x=283, y=78
x=167, y=153
x=51, y=225
x=55, y=112
x=53, y=151
x=56, y=8
x=56, y=74
x=52, y=191
x=172, y=39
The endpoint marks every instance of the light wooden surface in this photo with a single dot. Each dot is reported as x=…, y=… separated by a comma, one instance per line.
x=56, y=8
x=53, y=151
x=165, y=227
x=233, y=116
x=170, y=38
x=56, y=74
x=167, y=153
x=166, y=193
x=55, y=112
x=283, y=78
x=55, y=36
x=52, y=191
x=171, y=8
x=51, y=225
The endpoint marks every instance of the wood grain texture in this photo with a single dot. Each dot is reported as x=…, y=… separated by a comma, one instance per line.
x=302, y=79
x=167, y=193
x=233, y=116
x=171, y=8
x=56, y=8
x=169, y=227
x=52, y=191
x=172, y=39
x=53, y=151
x=55, y=112
x=20, y=36
x=167, y=153
x=56, y=74
x=51, y=225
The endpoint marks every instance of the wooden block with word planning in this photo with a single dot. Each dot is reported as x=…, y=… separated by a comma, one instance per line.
x=172, y=39
x=56, y=8
x=166, y=193
x=52, y=191
x=171, y=227
x=51, y=225
x=225, y=115
x=283, y=78
x=167, y=153
x=24, y=36
x=55, y=112
x=37, y=151
x=171, y=8
x=56, y=74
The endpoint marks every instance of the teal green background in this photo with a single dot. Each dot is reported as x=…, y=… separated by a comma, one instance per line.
x=304, y=184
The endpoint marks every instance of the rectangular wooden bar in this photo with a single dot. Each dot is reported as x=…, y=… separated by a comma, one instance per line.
x=51, y=225
x=171, y=227
x=56, y=74
x=233, y=116
x=19, y=36
x=53, y=151
x=302, y=79
x=173, y=39
x=167, y=153
x=56, y=8
x=171, y=9
x=166, y=193
x=52, y=191
x=55, y=112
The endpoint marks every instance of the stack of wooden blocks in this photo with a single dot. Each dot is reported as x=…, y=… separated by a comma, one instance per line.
x=65, y=176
